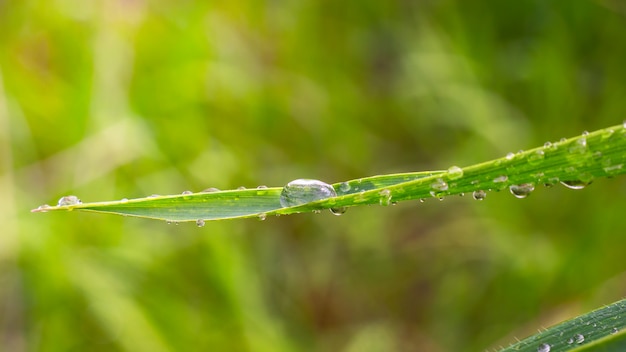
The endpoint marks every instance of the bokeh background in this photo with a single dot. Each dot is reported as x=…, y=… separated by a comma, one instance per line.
x=125, y=98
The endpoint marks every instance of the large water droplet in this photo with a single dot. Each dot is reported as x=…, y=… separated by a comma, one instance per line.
x=522, y=190
x=385, y=197
x=200, y=223
x=544, y=347
x=302, y=191
x=575, y=184
x=479, y=195
x=579, y=338
x=455, y=172
x=68, y=200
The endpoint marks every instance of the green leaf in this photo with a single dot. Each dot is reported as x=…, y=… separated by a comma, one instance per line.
x=575, y=162
x=600, y=330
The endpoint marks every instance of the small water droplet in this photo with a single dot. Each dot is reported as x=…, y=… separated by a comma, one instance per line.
x=317, y=211
x=338, y=211
x=200, y=223
x=614, y=331
x=262, y=187
x=547, y=144
x=210, y=190
x=68, y=200
x=385, y=197
x=501, y=179
x=575, y=184
x=579, y=338
x=124, y=200
x=509, y=156
x=43, y=208
x=455, y=172
x=523, y=190
x=562, y=139
x=344, y=187
x=536, y=157
x=479, y=195
x=551, y=182
x=579, y=146
x=262, y=216
x=585, y=133
x=544, y=347
x=422, y=200
x=185, y=193
x=438, y=188
x=153, y=196
x=613, y=169
x=241, y=188
x=570, y=341
x=302, y=191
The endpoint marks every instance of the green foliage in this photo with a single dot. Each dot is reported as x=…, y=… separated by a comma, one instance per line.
x=575, y=163
x=600, y=330
x=114, y=99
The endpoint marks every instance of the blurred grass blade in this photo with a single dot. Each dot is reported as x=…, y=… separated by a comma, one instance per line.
x=600, y=330
x=574, y=162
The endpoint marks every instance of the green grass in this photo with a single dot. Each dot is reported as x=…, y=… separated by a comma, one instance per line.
x=574, y=162
x=122, y=99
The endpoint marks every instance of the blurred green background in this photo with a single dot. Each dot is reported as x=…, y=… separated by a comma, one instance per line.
x=126, y=98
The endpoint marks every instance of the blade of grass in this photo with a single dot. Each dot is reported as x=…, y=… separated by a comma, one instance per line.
x=599, y=330
x=575, y=162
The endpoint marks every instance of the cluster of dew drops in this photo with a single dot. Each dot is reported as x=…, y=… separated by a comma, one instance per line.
x=302, y=191
x=575, y=339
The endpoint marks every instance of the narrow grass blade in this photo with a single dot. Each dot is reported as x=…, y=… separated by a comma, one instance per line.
x=600, y=330
x=574, y=162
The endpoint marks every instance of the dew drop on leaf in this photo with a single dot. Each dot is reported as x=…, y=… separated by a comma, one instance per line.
x=68, y=200
x=438, y=188
x=262, y=216
x=544, y=347
x=479, y=195
x=385, y=197
x=186, y=193
x=338, y=211
x=579, y=338
x=210, y=190
x=523, y=190
x=501, y=179
x=455, y=172
x=200, y=222
x=302, y=191
x=536, y=157
x=344, y=187
x=575, y=184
